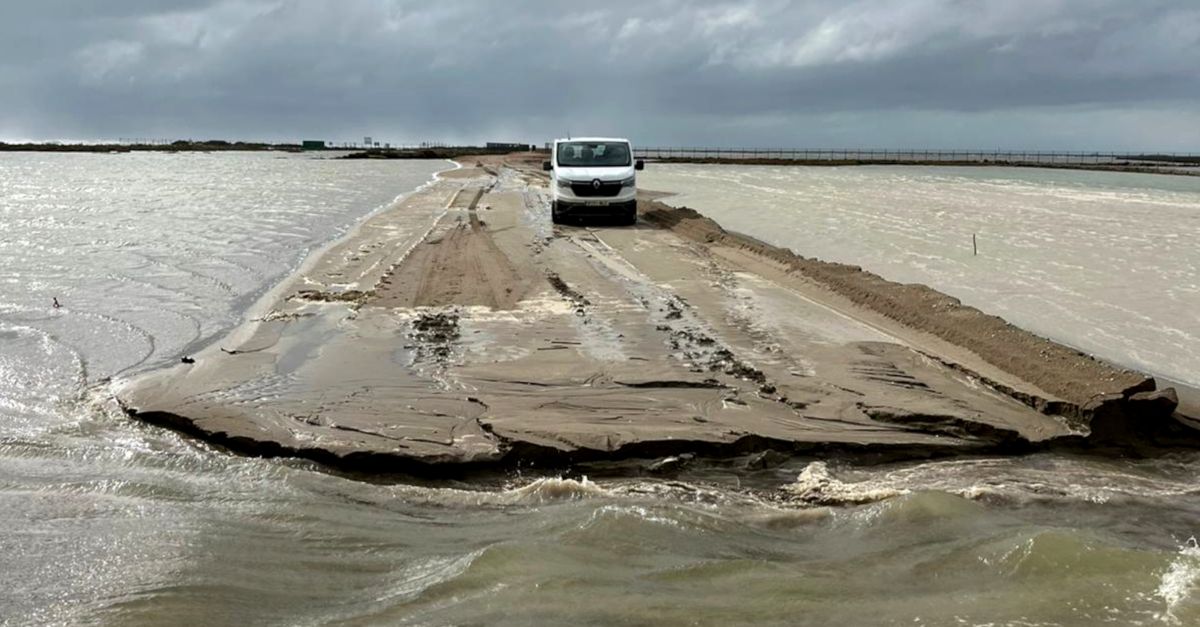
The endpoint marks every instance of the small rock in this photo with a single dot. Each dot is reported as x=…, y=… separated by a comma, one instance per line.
x=670, y=464
x=1159, y=402
x=188, y=360
x=766, y=459
x=1129, y=421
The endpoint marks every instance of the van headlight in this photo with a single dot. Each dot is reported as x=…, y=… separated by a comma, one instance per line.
x=565, y=183
x=629, y=182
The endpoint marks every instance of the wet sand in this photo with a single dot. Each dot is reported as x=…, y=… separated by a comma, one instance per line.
x=459, y=331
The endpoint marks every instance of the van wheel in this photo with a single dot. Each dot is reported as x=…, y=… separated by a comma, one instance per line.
x=555, y=216
x=631, y=216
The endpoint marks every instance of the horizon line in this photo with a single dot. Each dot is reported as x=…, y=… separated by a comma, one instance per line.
x=348, y=144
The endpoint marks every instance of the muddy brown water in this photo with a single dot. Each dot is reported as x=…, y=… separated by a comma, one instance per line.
x=105, y=520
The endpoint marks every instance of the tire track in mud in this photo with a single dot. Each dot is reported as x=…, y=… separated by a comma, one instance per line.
x=692, y=341
x=457, y=263
x=1086, y=384
x=700, y=347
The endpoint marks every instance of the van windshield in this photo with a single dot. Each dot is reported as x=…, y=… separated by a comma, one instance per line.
x=593, y=154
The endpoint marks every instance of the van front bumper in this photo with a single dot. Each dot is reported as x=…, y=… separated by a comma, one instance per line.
x=592, y=208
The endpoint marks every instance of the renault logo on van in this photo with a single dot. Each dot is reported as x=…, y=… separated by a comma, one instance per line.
x=595, y=183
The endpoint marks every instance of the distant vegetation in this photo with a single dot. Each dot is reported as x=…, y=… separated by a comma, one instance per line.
x=443, y=152
x=176, y=146
x=1166, y=158
x=214, y=145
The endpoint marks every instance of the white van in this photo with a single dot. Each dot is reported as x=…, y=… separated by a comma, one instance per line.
x=593, y=176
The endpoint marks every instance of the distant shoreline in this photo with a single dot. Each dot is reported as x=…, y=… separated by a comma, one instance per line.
x=183, y=146
x=1185, y=167
x=1102, y=167
x=438, y=152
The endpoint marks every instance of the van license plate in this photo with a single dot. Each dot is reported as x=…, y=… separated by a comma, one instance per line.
x=595, y=203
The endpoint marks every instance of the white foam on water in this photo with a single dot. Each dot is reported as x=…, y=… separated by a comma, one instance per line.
x=1180, y=580
x=639, y=512
x=816, y=485
x=1001, y=479
x=418, y=577
x=552, y=489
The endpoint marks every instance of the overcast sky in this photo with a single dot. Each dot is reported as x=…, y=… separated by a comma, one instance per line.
x=1036, y=74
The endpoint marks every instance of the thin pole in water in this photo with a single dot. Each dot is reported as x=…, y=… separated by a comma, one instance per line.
x=974, y=244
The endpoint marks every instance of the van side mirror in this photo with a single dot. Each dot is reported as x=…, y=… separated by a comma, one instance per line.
x=639, y=165
x=546, y=166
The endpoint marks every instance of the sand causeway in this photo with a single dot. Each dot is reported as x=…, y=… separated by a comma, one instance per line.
x=460, y=330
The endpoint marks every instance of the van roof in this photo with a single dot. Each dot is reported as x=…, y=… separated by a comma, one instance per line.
x=592, y=139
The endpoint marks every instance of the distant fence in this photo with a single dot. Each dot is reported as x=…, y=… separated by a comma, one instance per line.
x=918, y=156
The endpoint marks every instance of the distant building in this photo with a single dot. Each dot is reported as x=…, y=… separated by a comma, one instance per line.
x=313, y=144
x=508, y=146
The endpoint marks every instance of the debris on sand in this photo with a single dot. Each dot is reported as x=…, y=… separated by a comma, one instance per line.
x=435, y=334
x=566, y=291
x=356, y=297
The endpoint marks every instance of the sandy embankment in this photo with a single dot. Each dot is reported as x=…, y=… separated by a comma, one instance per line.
x=460, y=331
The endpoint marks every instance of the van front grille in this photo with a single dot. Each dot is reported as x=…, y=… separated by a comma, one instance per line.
x=607, y=189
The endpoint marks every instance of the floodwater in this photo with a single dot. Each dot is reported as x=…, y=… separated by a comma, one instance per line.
x=103, y=520
x=1107, y=262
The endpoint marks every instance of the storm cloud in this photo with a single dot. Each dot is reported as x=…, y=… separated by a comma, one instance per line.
x=1036, y=74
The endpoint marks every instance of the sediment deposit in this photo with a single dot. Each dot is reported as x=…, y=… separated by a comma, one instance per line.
x=459, y=330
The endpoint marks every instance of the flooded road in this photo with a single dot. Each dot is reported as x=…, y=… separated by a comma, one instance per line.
x=105, y=520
